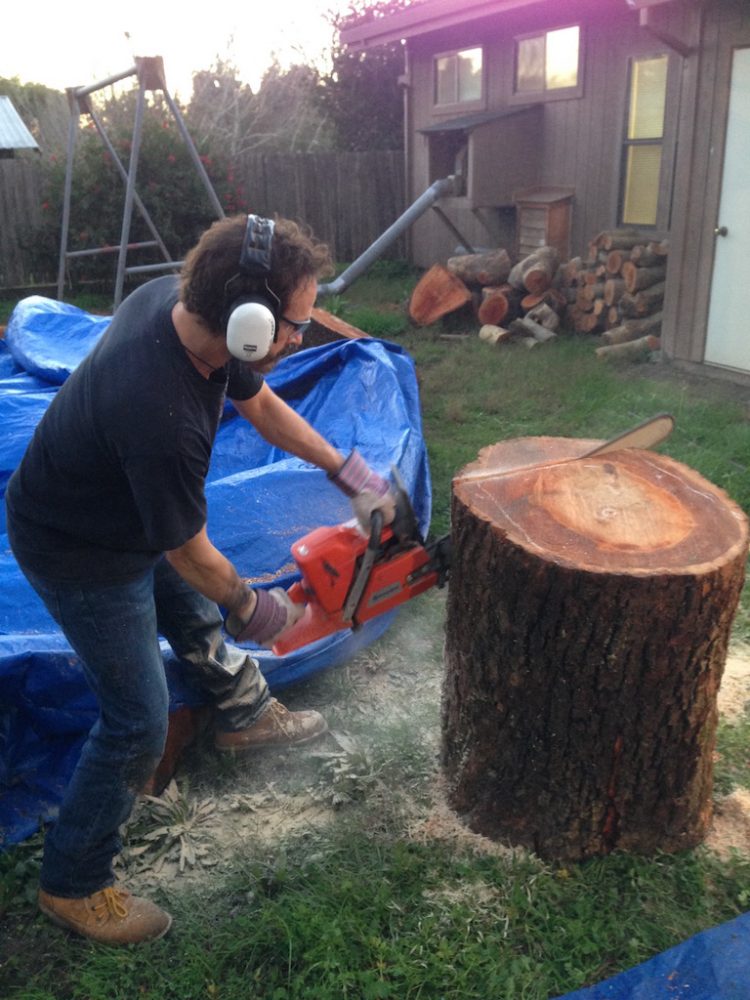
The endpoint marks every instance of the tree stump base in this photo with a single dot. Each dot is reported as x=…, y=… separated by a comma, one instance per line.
x=589, y=614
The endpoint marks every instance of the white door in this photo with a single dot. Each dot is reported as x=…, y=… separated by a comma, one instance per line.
x=728, y=336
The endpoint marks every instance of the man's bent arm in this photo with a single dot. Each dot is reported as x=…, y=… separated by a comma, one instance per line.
x=283, y=427
x=201, y=565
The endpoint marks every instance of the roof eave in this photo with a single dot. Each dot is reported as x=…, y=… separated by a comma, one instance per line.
x=435, y=15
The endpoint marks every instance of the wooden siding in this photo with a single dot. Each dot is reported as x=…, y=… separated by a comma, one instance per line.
x=579, y=140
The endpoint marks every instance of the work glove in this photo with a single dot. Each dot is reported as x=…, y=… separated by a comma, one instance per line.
x=367, y=490
x=273, y=614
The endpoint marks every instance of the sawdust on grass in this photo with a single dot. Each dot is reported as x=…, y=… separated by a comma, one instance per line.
x=391, y=683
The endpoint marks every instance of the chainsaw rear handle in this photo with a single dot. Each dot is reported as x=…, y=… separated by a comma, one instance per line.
x=298, y=593
x=365, y=568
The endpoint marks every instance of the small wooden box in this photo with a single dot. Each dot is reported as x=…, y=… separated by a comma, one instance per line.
x=543, y=218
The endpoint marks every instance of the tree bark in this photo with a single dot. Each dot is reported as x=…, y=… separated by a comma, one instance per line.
x=637, y=278
x=632, y=349
x=632, y=329
x=589, y=613
x=491, y=268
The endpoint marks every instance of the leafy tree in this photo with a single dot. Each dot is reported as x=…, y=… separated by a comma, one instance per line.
x=362, y=95
x=284, y=115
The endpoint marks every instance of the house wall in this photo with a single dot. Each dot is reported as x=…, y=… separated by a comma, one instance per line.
x=579, y=140
x=722, y=25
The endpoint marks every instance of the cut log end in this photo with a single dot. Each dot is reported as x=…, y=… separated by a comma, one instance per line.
x=438, y=292
x=632, y=510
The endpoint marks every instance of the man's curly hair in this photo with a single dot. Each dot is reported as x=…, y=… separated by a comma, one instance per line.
x=213, y=264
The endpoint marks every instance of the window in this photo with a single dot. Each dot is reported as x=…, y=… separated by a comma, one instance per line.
x=548, y=65
x=458, y=77
x=644, y=141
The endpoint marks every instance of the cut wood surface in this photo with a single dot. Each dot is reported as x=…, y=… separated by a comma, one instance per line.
x=490, y=268
x=437, y=293
x=493, y=308
x=589, y=615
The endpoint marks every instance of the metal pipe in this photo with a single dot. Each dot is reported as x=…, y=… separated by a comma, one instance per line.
x=170, y=265
x=197, y=162
x=127, y=213
x=110, y=249
x=124, y=174
x=425, y=201
x=84, y=91
x=67, y=197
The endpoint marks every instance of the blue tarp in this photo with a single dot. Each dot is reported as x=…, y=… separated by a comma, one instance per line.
x=360, y=393
x=712, y=965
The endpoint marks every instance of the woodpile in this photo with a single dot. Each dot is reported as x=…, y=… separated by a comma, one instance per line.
x=509, y=301
x=618, y=292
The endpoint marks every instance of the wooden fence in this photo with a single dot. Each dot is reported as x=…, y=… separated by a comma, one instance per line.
x=20, y=215
x=348, y=199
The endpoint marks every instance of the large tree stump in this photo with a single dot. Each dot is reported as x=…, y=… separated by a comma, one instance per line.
x=589, y=612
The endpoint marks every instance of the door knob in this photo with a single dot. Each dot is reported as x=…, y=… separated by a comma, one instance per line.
x=721, y=231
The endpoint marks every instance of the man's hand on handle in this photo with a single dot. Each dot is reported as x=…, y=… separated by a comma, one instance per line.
x=367, y=490
x=265, y=618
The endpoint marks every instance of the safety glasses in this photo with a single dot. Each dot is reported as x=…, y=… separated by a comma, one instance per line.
x=298, y=327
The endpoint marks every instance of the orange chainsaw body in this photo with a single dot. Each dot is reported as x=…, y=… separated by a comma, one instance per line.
x=330, y=560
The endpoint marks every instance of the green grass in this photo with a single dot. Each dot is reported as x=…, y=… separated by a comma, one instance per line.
x=365, y=909
x=365, y=915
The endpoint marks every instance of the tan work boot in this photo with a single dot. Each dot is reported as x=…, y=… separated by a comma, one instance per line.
x=110, y=915
x=277, y=727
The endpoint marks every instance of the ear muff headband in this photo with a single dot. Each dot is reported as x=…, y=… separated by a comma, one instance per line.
x=252, y=320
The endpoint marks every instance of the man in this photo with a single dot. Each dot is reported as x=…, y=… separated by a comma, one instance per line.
x=107, y=519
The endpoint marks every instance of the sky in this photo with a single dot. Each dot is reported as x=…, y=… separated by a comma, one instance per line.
x=82, y=42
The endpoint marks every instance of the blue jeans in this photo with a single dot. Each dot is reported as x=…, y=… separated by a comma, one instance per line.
x=115, y=632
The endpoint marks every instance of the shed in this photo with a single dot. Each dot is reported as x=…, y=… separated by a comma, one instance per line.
x=13, y=133
x=636, y=111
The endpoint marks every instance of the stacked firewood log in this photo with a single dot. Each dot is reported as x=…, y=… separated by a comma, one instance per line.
x=508, y=301
x=618, y=292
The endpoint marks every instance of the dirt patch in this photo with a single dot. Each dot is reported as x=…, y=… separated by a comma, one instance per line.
x=730, y=830
x=734, y=693
x=389, y=691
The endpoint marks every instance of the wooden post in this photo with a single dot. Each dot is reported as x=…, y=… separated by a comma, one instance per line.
x=589, y=613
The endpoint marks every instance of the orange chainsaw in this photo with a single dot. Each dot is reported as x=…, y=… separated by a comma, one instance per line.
x=348, y=578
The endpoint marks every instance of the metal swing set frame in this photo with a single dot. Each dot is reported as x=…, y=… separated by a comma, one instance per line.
x=150, y=74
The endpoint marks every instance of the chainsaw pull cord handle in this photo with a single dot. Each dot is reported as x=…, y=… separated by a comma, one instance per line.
x=368, y=560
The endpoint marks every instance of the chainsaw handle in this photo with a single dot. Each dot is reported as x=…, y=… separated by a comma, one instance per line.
x=297, y=593
x=365, y=567
x=376, y=529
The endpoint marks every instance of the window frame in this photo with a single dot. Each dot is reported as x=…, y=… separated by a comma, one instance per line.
x=476, y=104
x=666, y=144
x=547, y=93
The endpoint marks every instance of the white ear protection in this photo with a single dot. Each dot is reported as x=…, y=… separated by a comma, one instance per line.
x=251, y=329
x=252, y=320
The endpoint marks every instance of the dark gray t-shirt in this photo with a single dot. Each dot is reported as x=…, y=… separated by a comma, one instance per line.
x=114, y=474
